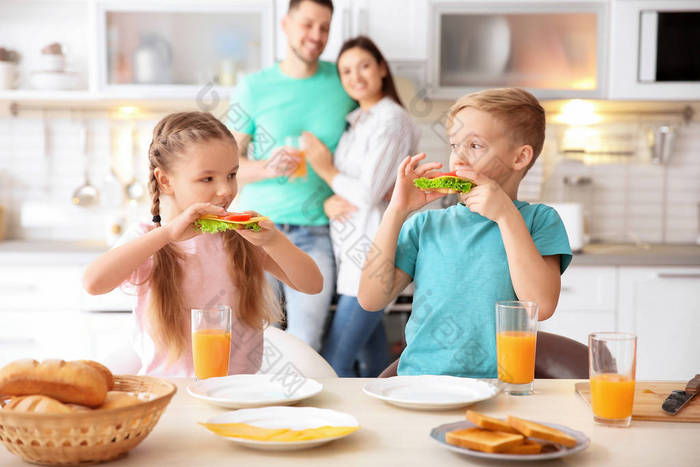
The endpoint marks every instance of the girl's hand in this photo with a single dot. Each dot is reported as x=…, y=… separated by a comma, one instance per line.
x=268, y=233
x=487, y=197
x=406, y=198
x=318, y=155
x=182, y=227
x=337, y=208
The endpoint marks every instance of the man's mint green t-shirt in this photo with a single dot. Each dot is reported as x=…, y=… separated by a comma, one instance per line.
x=460, y=270
x=271, y=106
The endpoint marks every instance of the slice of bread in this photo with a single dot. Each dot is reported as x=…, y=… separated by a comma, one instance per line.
x=537, y=430
x=483, y=440
x=528, y=447
x=490, y=423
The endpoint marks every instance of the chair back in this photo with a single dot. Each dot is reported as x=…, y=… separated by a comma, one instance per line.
x=283, y=350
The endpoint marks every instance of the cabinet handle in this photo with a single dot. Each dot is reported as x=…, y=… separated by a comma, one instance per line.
x=567, y=289
x=678, y=275
x=346, y=23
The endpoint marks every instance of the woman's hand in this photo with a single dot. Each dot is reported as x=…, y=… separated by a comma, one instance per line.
x=263, y=237
x=406, y=198
x=337, y=208
x=182, y=227
x=319, y=157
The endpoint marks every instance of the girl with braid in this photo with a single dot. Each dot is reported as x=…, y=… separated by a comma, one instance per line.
x=172, y=268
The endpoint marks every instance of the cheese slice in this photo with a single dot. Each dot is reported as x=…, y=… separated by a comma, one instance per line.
x=243, y=430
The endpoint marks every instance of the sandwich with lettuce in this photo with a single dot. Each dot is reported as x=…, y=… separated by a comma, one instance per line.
x=210, y=223
x=444, y=182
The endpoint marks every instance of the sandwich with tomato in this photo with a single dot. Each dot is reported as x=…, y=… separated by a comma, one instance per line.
x=444, y=182
x=210, y=223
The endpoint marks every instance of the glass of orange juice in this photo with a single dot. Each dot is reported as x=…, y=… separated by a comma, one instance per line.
x=516, y=338
x=297, y=143
x=211, y=341
x=612, y=359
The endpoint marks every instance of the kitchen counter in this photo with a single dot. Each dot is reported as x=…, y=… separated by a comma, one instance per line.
x=391, y=436
x=605, y=254
x=599, y=254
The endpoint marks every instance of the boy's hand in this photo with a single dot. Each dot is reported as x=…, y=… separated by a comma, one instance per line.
x=406, y=198
x=182, y=227
x=487, y=197
x=264, y=236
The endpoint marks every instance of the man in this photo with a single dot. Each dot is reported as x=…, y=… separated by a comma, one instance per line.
x=301, y=93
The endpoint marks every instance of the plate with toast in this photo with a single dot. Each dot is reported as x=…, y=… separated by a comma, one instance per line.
x=510, y=439
x=431, y=392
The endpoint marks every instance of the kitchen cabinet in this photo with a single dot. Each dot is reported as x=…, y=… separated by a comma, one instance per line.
x=399, y=28
x=587, y=303
x=662, y=307
x=554, y=49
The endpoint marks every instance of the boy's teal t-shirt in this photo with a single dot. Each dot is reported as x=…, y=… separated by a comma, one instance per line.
x=460, y=270
x=271, y=106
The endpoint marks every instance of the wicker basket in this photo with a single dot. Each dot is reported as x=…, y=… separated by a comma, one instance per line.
x=87, y=437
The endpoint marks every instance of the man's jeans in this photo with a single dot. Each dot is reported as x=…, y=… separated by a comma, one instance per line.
x=306, y=314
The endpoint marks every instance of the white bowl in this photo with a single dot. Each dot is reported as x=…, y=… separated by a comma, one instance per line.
x=53, y=80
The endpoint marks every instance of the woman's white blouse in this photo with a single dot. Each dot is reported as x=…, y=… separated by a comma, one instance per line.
x=367, y=157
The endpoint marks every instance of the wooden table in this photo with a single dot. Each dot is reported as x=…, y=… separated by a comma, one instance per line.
x=392, y=436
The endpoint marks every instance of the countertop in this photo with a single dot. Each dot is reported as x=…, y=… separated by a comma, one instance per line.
x=392, y=436
x=594, y=254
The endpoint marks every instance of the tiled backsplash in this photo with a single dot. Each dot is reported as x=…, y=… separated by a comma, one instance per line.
x=41, y=166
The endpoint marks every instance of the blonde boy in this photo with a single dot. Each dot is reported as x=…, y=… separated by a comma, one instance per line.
x=487, y=248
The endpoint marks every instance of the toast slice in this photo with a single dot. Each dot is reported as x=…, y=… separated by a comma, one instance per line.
x=528, y=447
x=490, y=423
x=537, y=430
x=483, y=440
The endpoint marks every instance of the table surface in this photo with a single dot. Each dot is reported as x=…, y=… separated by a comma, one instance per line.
x=393, y=436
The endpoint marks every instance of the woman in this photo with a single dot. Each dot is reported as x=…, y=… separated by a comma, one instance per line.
x=380, y=133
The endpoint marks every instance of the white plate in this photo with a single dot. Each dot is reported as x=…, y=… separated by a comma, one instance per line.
x=295, y=418
x=244, y=391
x=431, y=392
x=438, y=434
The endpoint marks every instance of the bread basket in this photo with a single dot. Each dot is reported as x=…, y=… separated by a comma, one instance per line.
x=87, y=437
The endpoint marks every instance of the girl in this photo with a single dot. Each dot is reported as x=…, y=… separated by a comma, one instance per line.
x=379, y=134
x=172, y=268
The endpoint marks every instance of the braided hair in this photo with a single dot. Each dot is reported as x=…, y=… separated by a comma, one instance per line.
x=257, y=304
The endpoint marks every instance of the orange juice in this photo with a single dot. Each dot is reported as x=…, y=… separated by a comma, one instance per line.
x=613, y=395
x=516, y=356
x=301, y=168
x=210, y=350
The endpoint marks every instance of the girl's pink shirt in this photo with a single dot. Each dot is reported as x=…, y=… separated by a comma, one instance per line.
x=206, y=284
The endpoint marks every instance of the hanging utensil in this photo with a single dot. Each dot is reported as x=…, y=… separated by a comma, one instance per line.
x=85, y=195
x=134, y=189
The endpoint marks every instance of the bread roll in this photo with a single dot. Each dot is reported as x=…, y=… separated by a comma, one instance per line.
x=104, y=371
x=70, y=382
x=116, y=399
x=37, y=404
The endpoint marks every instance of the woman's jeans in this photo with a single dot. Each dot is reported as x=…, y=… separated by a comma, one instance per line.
x=356, y=335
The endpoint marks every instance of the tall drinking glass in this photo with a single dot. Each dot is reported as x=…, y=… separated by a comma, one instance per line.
x=612, y=358
x=211, y=341
x=516, y=337
x=297, y=143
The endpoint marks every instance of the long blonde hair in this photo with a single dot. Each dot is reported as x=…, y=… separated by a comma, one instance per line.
x=257, y=304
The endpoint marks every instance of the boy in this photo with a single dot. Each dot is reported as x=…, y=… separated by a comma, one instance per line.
x=487, y=248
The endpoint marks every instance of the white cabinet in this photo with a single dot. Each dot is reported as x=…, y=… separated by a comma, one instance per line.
x=662, y=307
x=586, y=304
x=39, y=287
x=399, y=28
